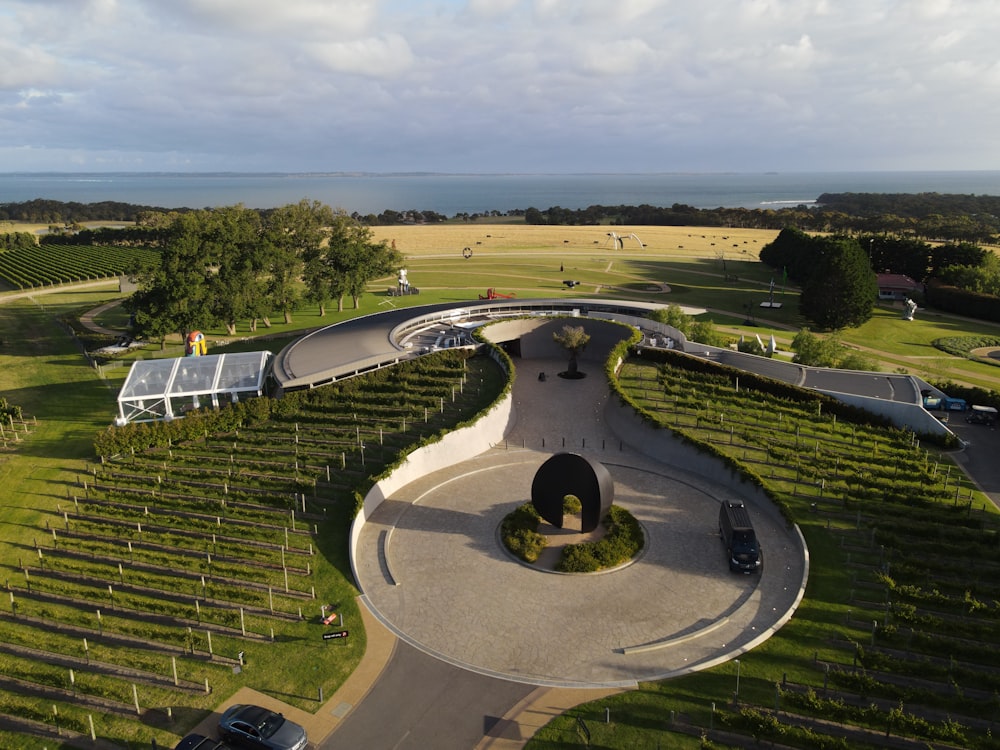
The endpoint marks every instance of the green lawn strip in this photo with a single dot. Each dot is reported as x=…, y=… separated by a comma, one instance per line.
x=848, y=534
x=888, y=332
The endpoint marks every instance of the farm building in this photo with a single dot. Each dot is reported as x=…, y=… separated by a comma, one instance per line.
x=167, y=388
x=896, y=286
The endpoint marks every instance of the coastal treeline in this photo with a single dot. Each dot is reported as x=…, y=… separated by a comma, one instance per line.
x=925, y=216
x=44, y=211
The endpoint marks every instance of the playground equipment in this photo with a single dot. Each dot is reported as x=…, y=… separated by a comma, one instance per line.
x=196, y=345
x=492, y=293
x=619, y=240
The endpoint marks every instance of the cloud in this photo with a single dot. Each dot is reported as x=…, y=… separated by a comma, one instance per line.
x=373, y=56
x=492, y=8
x=499, y=85
x=310, y=18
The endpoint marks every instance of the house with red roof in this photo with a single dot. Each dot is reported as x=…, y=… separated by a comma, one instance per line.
x=896, y=286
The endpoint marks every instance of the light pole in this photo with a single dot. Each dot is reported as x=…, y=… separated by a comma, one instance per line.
x=737, y=680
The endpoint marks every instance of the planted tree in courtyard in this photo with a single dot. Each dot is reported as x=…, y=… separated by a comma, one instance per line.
x=573, y=339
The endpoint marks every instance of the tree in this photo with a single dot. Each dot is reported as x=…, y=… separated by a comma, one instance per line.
x=573, y=339
x=175, y=295
x=827, y=351
x=370, y=260
x=842, y=289
x=674, y=316
x=233, y=239
x=793, y=252
x=17, y=241
x=533, y=216
x=983, y=278
x=704, y=332
x=897, y=255
x=348, y=263
x=962, y=254
x=292, y=232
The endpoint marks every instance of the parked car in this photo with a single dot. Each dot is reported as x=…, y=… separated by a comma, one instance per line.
x=259, y=728
x=201, y=742
x=742, y=549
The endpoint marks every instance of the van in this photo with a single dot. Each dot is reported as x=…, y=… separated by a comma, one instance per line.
x=742, y=549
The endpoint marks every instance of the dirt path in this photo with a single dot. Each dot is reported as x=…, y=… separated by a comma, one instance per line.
x=10, y=296
x=87, y=319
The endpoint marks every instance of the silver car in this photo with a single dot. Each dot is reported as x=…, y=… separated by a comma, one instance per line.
x=249, y=726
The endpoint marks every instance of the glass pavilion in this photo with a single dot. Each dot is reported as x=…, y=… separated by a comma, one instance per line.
x=167, y=388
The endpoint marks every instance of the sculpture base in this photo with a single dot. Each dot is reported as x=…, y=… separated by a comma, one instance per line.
x=560, y=538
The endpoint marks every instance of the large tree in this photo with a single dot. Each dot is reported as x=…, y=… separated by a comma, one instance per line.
x=793, y=252
x=350, y=260
x=293, y=233
x=174, y=296
x=233, y=238
x=897, y=255
x=842, y=289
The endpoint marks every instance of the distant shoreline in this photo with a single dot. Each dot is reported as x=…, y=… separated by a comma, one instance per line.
x=453, y=194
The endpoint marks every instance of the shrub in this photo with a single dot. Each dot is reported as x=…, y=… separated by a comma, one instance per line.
x=519, y=532
x=622, y=541
x=572, y=504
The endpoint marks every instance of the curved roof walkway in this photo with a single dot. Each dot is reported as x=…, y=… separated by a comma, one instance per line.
x=384, y=338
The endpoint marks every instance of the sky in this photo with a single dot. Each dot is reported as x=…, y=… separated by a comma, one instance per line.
x=499, y=86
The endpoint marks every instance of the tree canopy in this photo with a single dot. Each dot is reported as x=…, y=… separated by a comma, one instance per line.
x=226, y=265
x=842, y=289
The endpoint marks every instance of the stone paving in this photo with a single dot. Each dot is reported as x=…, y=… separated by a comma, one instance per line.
x=433, y=570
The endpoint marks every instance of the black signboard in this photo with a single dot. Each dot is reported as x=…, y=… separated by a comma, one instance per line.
x=331, y=636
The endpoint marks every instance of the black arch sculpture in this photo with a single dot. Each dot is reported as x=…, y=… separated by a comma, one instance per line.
x=572, y=474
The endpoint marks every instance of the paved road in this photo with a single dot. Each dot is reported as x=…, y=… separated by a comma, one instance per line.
x=979, y=458
x=421, y=702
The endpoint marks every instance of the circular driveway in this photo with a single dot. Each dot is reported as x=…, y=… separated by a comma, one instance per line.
x=432, y=569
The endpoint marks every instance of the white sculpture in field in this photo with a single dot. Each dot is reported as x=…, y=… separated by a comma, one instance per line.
x=911, y=309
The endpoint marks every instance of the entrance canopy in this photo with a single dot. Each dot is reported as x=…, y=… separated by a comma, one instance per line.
x=167, y=388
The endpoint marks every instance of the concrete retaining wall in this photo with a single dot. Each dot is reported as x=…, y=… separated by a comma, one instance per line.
x=913, y=416
x=455, y=447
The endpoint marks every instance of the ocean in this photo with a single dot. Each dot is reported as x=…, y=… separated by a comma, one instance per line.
x=452, y=194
